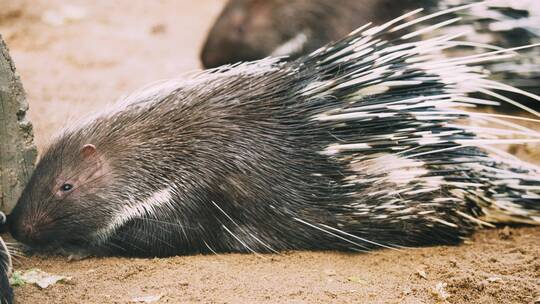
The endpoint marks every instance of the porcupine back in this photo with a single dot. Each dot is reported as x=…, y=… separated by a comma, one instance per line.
x=361, y=144
x=405, y=139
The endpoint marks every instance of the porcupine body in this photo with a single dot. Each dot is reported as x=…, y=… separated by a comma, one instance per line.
x=362, y=144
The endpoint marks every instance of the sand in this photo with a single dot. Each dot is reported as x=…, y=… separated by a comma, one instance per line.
x=99, y=50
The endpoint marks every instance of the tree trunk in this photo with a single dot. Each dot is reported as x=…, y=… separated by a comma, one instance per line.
x=17, y=150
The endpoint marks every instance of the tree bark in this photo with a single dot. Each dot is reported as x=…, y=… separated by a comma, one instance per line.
x=17, y=150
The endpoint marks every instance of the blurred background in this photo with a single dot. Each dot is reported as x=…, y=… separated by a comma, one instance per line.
x=78, y=56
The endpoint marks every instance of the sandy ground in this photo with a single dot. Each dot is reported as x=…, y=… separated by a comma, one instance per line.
x=107, y=48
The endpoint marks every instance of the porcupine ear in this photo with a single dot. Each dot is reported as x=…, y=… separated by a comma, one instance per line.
x=90, y=156
x=88, y=151
x=93, y=164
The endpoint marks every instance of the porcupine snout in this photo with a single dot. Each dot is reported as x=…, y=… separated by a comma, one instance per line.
x=31, y=230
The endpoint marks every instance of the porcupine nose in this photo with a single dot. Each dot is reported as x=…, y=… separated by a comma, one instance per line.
x=28, y=231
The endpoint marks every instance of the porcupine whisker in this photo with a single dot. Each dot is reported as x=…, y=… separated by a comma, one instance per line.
x=67, y=214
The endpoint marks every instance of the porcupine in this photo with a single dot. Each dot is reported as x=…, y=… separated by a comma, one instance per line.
x=360, y=145
x=253, y=29
x=6, y=292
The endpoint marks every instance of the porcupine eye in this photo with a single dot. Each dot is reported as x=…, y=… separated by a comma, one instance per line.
x=66, y=187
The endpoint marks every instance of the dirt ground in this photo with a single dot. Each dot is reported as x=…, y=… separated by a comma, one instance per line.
x=79, y=57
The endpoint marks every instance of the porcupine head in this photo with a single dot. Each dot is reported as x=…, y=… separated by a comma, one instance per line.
x=63, y=185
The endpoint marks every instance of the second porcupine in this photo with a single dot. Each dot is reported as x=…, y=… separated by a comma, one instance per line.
x=360, y=145
x=254, y=29
x=6, y=292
